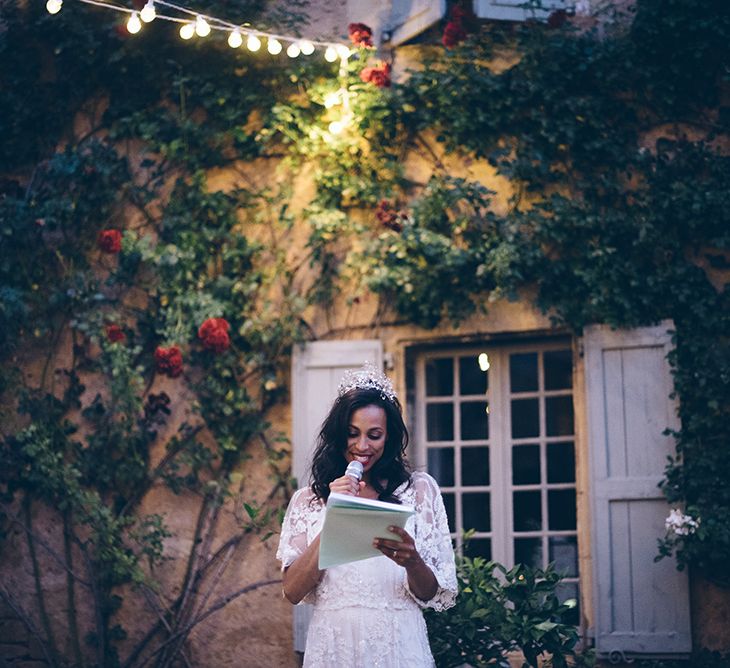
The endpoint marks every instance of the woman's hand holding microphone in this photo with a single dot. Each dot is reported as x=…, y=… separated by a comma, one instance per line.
x=351, y=482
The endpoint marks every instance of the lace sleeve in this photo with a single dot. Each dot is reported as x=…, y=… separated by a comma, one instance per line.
x=293, y=540
x=433, y=542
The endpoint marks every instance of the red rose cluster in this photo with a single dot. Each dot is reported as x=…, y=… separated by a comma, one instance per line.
x=214, y=334
x=378, y=75
x=361, y=35
x=110, y=241
x=389, y=216
x=169, y=361
x=114, y=333
x=456, y=29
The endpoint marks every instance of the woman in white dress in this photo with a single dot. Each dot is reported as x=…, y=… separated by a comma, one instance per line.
x=368, y=613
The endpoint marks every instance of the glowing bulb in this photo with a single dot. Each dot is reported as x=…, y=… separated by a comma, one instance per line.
x=274, y=46
x=336, y=127
x=307, y=47
x=54, y=6
x=234, y=39
x=187, y=30
x=148, y=12
x=134, y=25
x=202, y=29
x=483, y=361
x=343, y=51
x=253, y=43
x=331, y=99
x=330, y=54
x=293, y=50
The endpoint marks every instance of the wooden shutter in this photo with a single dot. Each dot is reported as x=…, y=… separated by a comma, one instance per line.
x=641, y=607
x=317, y=369
x=396, y=21
x=515, y=10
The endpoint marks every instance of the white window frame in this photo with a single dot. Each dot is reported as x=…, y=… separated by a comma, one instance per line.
x=500, y=443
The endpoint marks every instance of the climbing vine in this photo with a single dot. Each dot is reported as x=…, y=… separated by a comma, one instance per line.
x=124, y=268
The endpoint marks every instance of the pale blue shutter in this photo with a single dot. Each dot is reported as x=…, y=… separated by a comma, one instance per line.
x=397, y=21
x=317, y=369
x=515, y=10
x=641, y=607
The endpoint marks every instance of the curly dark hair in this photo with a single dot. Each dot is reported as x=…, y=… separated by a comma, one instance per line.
x=328, y=462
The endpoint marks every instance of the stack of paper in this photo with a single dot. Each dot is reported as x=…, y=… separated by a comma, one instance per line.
x=350, y=525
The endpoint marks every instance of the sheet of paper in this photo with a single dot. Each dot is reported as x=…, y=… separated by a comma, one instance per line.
x=352, y=523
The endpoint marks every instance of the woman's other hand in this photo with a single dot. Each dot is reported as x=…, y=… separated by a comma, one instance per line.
x=347, y=485
x=402, y=550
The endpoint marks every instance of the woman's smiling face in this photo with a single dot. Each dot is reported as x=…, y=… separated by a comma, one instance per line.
x=366, y=436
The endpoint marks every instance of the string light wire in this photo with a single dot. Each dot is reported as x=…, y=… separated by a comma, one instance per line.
x=215, y=23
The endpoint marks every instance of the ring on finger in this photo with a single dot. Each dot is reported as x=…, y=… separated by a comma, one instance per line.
x=395, y=553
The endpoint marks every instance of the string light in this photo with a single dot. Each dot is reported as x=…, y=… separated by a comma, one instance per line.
x=194, y=23
x=293, y=50
x=148, y=12
x=253, y=43
x=187, y=30
x=202, y=27
x=134, y=25
x=234, y=39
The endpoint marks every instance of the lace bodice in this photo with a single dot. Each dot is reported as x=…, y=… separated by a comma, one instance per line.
x=377, y=582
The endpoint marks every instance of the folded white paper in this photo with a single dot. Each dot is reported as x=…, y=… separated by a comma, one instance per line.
x=351, y=524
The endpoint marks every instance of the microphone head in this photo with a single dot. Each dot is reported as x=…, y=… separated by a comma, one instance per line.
x=354, y=470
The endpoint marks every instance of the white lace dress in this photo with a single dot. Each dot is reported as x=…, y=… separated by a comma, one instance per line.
x=364, y=613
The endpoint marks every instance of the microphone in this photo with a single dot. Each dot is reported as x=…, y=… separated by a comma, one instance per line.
x=354, y=470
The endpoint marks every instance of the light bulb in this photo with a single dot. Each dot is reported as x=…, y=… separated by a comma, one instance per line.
x=343, y=51
x=483, y=361
x=148, y=12
x=293, y=50
x=274, y=46
x=54, y=6
x=234, y=39
x=253, y=43
x=202, y=29
x=331, y=99
x=187, y=30
x=330, y=54
x=134, y=25
x=336, y=127
x=307, y=47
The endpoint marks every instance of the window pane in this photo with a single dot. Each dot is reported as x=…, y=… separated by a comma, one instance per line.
x=560, y=462
x=440, y=422
x=564, y=553
x=526, y=464
x=476, y=514
x=525, y=418
x=528, y=551
x=472, y=380
x=440, y=377
x=559, y=416
x=475, y=466
x=474, y=421
x=450, y=512
x=479, y=547
x=558, y=370
x=561, y=509
x=527, y=511
x=441, y=465
x=523, y=372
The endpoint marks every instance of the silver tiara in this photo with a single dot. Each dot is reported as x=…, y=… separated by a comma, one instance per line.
x=367, y=377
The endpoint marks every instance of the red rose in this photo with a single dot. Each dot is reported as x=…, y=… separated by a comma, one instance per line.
x=454, y=33
x=361, y=35
x=378, y=75
x=110, y=241
x=214, y=334
x=388, y=216
x=169, y=361
x=114, y=333
x=557, y=19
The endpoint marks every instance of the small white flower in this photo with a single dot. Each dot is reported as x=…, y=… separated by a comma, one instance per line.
x=582, y=8
x=680, y=524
